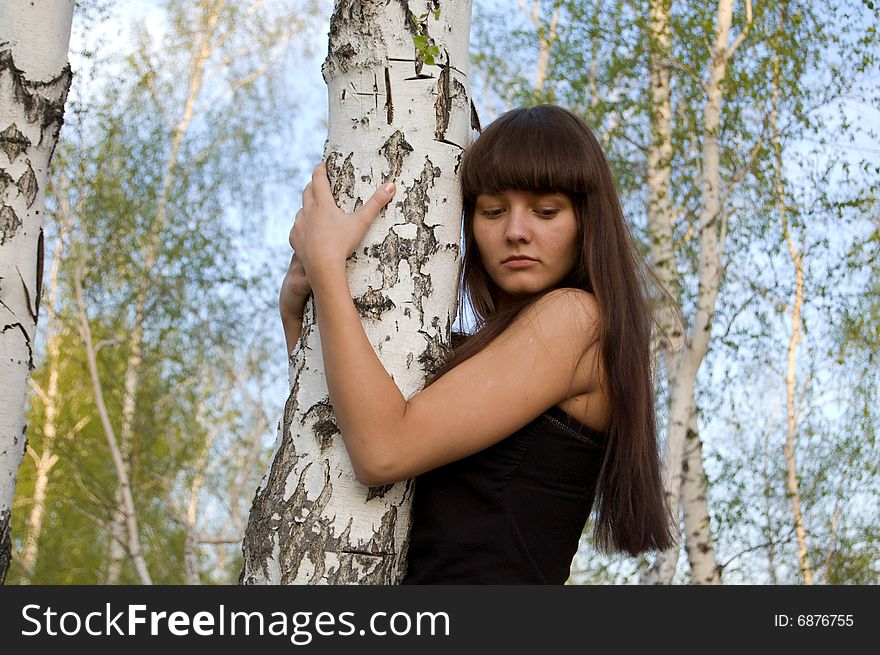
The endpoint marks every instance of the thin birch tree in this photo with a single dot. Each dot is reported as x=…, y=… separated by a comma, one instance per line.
x=34, y=79
x=797, y=260
x=400, y=109
x=710, y=230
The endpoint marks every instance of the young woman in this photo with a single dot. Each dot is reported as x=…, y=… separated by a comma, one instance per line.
x=547, y=407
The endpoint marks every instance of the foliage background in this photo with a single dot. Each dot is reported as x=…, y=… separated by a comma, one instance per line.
x=213, y=377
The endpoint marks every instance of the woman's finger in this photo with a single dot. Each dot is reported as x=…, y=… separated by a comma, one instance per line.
x=291, y=236
x=321, y=192
x=371, y=208
x=308, y=198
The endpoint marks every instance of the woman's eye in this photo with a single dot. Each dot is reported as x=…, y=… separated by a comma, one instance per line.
x=491, y=213
x=547, y=212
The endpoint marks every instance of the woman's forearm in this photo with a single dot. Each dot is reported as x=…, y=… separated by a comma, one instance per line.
x=366, y=401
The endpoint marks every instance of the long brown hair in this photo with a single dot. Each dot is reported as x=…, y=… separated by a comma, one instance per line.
x=549, y=149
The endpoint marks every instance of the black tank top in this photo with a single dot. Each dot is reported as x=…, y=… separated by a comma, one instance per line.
x=510, y=514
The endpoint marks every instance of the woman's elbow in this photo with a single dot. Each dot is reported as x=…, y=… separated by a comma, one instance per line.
x=376, y=472
x=370, y=478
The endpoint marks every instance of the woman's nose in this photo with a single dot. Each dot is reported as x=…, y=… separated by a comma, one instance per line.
x=517, y=227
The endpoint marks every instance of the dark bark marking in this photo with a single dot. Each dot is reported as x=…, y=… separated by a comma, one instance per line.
x=27, y=185
x=342, y=176
x=27, y=342
x=257, y=544
x=411, y=23
x=378, y=492
x=373, y=304
x=310, y=533
x=13, y=142
x=9, y=223
x=436, y=349
x=389, y=104
x=424, y=76
x=38, y=98
x=415, y=251
x=443, y=104
x=5, y=543
x=458, y=161
x=449, y=91
x=27, y=296
x=352, y=21
x=324, y=426
x=5, y=181
x=395, y=150
x=475, y=120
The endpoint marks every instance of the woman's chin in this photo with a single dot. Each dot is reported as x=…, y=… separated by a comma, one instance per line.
x=522, y=292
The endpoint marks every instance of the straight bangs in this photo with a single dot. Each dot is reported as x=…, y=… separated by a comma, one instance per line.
x=541, y=149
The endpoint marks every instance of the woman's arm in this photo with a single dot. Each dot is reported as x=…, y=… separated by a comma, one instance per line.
x=533, y=365
x=295, y=290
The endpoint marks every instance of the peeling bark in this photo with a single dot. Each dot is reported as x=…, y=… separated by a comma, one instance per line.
x=34, y=79
x=311, y=522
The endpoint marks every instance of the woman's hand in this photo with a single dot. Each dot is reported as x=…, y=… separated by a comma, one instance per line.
x=295, y=289
x=323, y=235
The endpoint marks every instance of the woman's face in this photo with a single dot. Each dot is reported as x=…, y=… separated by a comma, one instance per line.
x=527, y=241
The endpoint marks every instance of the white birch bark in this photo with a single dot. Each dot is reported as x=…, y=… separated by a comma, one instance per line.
x=792, y=484
x=661, y=217
x=34, y=79
x=659, y=207
x=391, y=118
x=710, y=234
x=660, y=211
x=698, y=545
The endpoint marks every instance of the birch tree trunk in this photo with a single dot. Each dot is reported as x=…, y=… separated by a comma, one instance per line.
x=710, y=234
x=661, y=216
x=34, y=79
x=393, y=116
x=792, y=484
x=698, y=544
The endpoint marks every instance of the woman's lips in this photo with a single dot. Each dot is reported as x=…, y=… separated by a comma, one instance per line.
x=519, y=262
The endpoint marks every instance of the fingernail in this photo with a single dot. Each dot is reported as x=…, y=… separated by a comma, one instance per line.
x=389, y=187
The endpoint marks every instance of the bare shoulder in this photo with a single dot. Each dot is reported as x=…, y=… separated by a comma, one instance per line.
x=582, y=303
x=536, y=363
x=563, y=313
